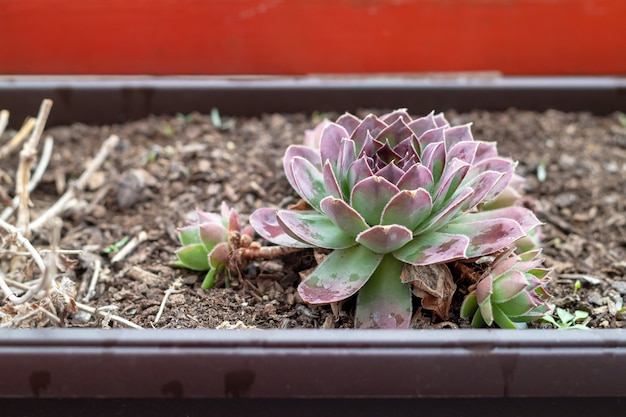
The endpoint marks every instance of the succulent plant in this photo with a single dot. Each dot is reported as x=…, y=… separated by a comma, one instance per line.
x=510, y=293
x=206, y=242
x=386, y=193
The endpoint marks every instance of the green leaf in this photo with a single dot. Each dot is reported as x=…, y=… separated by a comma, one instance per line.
x=385, y=239
x=309, y=181
x=433, y=248
x=313, y=228
x=370, y=196
x=503, y=321
x=194, y=257
x=340, y=275
x=343, y=216
x=469, y=306
x=384, y=302
x=209, y=279
x=565, y=316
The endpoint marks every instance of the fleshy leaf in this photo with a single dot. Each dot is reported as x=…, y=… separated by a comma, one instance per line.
x=209, y=279
x=331, y=184
x=422, y=125
x=503, y=321
x=469, y=306
x=212, y=234
x=349, y=122
x=486, y=236
x=417, y=176
x=408, y=208
x=452, y=176
x=370, y=196
x=447, y=213
x=433, y=248
x=344, y=216
x=358, y=171
x=313, y=228
x=189, y=235
x=456, y=134
x=370, y=124
x=385, y=239
x=432, y=136
x=395, y=133
x=193, y=257
x=524, y=217
x=309, y=181
x=330, y=143
x=340, y=275
x=391, y=173
x=264, y=222
x=482, y=186
x=401, y=114
x=310, y=154
x=508, y=286
x=384, y=302
x=218, y=257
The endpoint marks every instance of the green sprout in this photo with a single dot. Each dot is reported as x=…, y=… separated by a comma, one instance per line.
x=216, y=119
x=114, y=247
x=621, y=118
x=542, y=174
x=184, y=117
x=577, y=286
x=565, y=320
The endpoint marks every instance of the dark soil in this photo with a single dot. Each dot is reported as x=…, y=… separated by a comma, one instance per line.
x=166, y=167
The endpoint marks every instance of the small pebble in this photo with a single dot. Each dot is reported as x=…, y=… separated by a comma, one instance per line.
x=595, y=298
x=619, y=286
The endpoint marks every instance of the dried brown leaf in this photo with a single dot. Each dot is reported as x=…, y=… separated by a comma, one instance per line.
x=433, y=284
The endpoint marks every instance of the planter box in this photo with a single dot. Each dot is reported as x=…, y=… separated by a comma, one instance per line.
x=161, y=37
x=279, y=372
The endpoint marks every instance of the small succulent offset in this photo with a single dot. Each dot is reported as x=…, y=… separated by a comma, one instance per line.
x=207, y=242
x=510, y=293
x=389, y=194
x=564, y=320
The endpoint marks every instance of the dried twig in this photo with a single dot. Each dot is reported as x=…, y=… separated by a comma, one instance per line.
x=80, y=185
x=27, y=157
x=44, y=159
x=91, y=291
x=19, y=137
x=4, y=120
x=34, y=291
x=169, y=292
x=82, y=307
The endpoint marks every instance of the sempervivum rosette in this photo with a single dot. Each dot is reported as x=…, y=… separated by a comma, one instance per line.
x=510, y=293
x=385, y=192
x=205, y=242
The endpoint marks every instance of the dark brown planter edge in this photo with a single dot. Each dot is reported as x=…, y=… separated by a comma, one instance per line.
x=99, y=100
x=423, y=367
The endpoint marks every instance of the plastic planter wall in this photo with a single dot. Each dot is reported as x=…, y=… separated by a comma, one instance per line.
x=160, y=37
x=309, y=372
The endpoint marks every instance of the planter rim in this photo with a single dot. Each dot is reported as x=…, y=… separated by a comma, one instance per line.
x=115, y=99
x=119, y=363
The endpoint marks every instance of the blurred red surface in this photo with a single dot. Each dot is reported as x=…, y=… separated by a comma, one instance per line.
x=195, y=37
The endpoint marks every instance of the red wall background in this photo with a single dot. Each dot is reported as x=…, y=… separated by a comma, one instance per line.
x=196, y=37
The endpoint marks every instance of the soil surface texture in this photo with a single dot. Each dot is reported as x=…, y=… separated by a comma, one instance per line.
x=164, y=168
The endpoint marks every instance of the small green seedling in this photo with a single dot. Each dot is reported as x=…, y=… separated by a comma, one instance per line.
x=216, y=119
x=566, y=320
x=542, y=174
x=184, y=117
x=577, y=286
x=114, y=247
